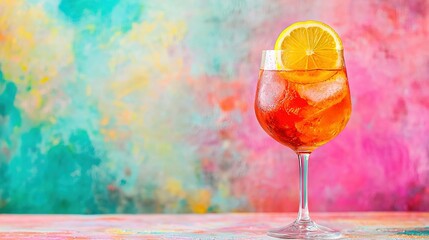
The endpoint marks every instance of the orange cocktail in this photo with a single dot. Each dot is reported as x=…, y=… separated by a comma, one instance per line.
x=303, y=101
x=303, y=116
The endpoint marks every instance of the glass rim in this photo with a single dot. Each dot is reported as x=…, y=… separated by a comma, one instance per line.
x=274, y=60
x=272, y=50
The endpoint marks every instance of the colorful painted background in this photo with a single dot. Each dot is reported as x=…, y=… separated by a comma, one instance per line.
x=129, y=106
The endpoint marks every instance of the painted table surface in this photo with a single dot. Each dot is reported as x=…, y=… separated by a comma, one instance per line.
x=367, y=225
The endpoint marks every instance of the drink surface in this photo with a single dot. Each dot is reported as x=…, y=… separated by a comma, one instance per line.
x=303, y=116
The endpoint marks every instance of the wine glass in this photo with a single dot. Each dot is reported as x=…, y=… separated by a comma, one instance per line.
x=302, y=109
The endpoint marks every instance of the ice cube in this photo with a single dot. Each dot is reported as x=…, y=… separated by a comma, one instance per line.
x=325, y=94
x=324, y=124
x=271, y=91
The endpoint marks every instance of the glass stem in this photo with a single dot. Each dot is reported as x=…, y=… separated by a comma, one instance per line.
x=303, y=214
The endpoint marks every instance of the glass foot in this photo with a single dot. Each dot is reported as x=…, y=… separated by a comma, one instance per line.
x=304, y=230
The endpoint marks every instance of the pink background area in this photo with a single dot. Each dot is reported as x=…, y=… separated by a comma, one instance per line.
x=381, y=160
